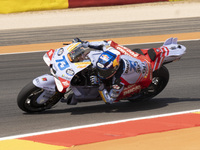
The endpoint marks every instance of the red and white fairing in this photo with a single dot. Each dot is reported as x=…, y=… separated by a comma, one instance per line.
x=170, y=51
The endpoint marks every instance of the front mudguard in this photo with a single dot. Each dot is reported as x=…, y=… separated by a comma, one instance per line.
x=46, y=82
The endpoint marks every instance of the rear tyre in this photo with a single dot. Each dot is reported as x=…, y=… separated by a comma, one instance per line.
x=27, y=99
x=159, y=82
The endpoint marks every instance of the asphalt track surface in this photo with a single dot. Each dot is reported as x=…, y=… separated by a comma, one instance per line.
x=182, y=92
x=98, y=31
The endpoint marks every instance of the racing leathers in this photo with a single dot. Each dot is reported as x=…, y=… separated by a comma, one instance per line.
x=131, y=70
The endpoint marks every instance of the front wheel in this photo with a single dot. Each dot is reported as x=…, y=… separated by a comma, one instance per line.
x=27, y=99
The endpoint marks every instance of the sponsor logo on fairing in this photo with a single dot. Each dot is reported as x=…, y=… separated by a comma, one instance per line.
x=60, y=51
x=82, y=64
x=126, y=51
x=50, y=53
x=44, y=79
x=70, y=72
x=131, y=89
x=66, y=83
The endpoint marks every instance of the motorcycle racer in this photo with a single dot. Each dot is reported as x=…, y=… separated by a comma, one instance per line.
x=123, y=66
x=87, y=71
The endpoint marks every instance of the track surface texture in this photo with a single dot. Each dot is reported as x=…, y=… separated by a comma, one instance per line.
x=98, y=31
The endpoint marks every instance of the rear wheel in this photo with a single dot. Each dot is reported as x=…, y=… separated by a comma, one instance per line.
x=159, y=82
x=27, y=99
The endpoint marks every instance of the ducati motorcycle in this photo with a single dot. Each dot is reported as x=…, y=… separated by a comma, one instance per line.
x=69, y=80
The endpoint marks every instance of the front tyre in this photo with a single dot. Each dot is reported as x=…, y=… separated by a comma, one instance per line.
x=27, y=99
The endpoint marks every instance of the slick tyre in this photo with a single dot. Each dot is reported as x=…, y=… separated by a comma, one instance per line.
x=159, y=82
x=27, y=99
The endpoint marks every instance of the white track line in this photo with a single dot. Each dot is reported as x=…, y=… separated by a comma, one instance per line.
x=122, y=44
x=96, y=124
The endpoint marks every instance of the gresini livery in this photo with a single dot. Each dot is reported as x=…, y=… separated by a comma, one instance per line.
x=73, y=73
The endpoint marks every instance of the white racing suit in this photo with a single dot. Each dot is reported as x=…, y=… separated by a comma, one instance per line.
x=131, y=70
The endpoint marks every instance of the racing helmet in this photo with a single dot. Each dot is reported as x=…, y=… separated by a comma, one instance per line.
x=107, y=64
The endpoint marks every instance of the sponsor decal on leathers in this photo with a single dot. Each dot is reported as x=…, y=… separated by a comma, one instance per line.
x=131, y=89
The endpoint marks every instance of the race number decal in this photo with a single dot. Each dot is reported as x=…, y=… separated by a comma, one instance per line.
x=62, y=63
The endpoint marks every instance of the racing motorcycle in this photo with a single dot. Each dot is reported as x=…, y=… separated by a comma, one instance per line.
x=70, y=82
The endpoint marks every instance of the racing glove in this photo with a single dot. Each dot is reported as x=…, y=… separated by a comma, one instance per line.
x=106, y=97
x=94, y=80
x=110, y=97
x=75, y=40
x=84, y=43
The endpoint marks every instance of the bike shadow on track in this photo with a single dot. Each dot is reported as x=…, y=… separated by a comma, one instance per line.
x=120, y=107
